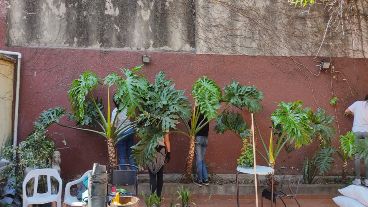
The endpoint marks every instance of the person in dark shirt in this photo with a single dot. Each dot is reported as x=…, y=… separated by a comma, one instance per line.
x=200, y=151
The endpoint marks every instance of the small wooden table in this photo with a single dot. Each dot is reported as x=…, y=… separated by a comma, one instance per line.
x=260, y=170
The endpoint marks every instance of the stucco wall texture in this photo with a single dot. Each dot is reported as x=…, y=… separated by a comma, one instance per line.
x=250, y=27
x=47, y=74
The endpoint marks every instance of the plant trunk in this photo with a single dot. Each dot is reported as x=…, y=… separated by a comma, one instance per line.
x=344, y=171
x=189, y=167
x=112, y=154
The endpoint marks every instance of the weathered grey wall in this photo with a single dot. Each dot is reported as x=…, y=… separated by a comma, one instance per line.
x=275, y=28
x=132, y=24
x=249, y=27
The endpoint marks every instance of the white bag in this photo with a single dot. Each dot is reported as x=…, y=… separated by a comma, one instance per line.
x=344, y=201
x=357, y=192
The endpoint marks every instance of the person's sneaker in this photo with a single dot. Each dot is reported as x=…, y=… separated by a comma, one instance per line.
x=357, y=182
x=199, y=183
x=206, y=183
x=365, y=182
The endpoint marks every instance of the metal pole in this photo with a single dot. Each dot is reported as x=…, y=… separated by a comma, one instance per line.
x=255, y=161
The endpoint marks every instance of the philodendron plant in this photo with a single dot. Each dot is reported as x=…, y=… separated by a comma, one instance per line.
x=162, y=110
x=242, y=98
x=88, y=109
x=291, y=124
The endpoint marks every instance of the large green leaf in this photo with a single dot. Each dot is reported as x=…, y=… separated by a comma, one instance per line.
x=162, y=109
x=294, y=122
x=48, y=117
x=145, y=150
x=232, y=121
x=347, y=145
x=207, y=95
x=323, y=127
x=243, y=96
x=79, y=90
x=324, y=159
x=362, y=149
x=164, y=105
x=131, y=91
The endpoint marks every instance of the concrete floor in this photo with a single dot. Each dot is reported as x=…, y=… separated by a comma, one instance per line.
x=249, y=201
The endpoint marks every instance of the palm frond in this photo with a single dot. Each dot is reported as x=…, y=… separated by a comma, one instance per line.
x=207, y=95
x=145, y=150
x=91, y=114
x=130, y=92
x=79, y=90
x=293, y=121
x=232, y=121
x=347, y=145
x=164, y=105
x=48, y=117
x=243, y=96
x=324, y=159
x=323, y=127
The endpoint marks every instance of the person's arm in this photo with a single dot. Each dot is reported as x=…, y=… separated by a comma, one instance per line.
x=348, y=112
x=167, y=145
x=350, y=109
x=167, y=142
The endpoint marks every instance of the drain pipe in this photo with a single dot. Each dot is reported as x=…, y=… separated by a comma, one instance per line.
x=15, y=124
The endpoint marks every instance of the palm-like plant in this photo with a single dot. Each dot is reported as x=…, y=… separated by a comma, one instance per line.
x=323, y=127
x=243, y=98
x=130, y=91
x=207, y=96
x=291, y=124
x=323, y=132
x=162, y=109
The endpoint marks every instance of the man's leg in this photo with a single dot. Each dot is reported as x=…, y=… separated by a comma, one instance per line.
x=160, y=181
x=204, y=166
x=199, y=159
x=366, y=162
x=122, y=148
x=130, y=143
x=357, y=180
x=153, y=181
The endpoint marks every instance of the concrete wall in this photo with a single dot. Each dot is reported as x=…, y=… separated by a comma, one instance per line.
x=251, y=27
x=131, y=24
x=47, y=75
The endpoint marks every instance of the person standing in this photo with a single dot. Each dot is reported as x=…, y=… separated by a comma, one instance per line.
x=127, y=138
x=156, y=166
x=201, y=142
x=359, y=110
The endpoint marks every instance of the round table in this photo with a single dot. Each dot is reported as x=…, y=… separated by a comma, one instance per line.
x=260, y=170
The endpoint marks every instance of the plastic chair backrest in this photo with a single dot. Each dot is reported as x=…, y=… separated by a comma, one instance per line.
x=35, y=174
x=68, y=198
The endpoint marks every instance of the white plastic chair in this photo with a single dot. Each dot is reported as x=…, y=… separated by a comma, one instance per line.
x=42, y=198
x=73, y=200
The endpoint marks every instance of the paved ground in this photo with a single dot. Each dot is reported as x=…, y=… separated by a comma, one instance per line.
x=249, y=201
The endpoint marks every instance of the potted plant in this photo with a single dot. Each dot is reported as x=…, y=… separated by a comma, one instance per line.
x=185, y=196
x=88, y=109
x=36, y=151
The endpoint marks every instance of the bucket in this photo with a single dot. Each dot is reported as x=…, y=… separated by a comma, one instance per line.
x=126, y=201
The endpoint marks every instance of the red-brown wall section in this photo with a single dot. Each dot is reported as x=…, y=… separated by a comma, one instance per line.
x=47, y=73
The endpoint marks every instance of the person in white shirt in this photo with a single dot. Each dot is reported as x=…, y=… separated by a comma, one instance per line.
x=359, y=110
x=124, y=146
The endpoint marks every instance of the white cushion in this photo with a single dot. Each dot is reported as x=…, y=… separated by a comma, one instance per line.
x=357, y=192
x=344, y=201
